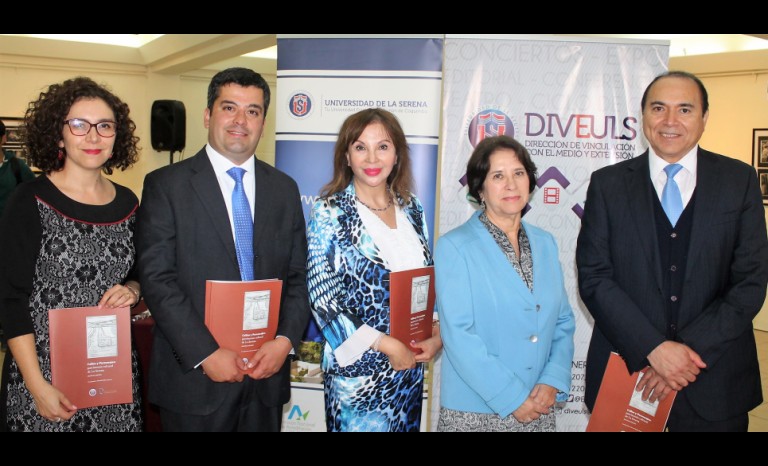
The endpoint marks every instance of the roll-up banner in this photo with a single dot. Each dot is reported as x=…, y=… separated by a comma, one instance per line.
x=321, y=80
x=575, y=105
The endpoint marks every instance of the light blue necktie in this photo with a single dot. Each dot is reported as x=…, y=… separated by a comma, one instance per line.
x=671, y=200
x=241, y=212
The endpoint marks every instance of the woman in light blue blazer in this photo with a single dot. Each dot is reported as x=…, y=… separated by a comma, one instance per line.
x=506, y=323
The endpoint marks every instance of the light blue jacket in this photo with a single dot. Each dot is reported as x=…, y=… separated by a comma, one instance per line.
x=500, y=340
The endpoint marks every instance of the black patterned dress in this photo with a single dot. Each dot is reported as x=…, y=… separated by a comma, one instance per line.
x=59, y=253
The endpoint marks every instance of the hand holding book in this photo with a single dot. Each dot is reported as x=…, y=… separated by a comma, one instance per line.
x=243, y=316
x=412, y=303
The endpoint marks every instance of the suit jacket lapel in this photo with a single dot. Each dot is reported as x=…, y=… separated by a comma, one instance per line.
x=538, y=266
x=262, y=203
x=353, y=226
x=639, y=197
x=206, y=186
x=415, y=215
x=499, y=261
x=707, y=193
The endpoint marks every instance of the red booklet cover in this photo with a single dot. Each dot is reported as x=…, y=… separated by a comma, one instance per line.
x=411, y=303
x=619, y=408
x=91, y=355
x=242, y=316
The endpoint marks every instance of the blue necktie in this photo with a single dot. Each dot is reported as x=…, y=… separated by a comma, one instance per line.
x=671, y=200
x=241, y=212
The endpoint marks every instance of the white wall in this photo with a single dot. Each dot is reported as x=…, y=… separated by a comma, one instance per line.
x=23, y=78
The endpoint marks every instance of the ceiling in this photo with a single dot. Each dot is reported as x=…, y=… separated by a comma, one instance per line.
x=181, y=53
x=165, y=54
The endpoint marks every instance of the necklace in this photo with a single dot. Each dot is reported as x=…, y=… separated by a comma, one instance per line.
x=389, y=204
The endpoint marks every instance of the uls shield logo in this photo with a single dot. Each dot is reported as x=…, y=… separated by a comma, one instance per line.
x=489, y=123
x=301, y=104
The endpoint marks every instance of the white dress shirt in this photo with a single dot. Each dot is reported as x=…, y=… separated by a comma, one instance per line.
x=227, y=184
x=685, y=178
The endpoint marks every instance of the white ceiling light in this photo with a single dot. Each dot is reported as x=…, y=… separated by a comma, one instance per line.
x=269, y=52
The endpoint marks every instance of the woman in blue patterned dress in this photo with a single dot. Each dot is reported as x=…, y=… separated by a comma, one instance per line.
x=70, y=233
x=366, y=225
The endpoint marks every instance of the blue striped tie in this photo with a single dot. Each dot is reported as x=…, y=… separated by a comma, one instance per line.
x=671, y=200
x=241, y=211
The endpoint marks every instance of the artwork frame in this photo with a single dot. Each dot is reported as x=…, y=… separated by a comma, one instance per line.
x=762, y=176
x=14, y=140
x=760, y=159
x=13, y=127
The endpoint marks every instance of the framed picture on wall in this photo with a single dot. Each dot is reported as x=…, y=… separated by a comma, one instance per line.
x=760, y=159
x=763, y=176
x=15, y=140
x=13, y=131
x=760, y=148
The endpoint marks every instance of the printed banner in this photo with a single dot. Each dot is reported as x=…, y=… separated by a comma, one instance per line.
x=575, y=105
x=320, y=82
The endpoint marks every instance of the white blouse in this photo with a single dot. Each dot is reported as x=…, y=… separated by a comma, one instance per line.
x=401, y=249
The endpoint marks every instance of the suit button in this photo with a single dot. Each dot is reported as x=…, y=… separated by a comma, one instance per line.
x=534, y=338
x=673, y=235
x=674, y=299
x=673, y=268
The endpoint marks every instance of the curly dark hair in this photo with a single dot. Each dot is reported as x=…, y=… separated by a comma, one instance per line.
x=44, y=123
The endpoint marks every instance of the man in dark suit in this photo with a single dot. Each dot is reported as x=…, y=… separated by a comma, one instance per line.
x=187, y=234
x=673, y=268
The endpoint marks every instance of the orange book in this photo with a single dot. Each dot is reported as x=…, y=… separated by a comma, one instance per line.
x=242, y=316
x=411, y=304
x=91, y=355
x=619, y=408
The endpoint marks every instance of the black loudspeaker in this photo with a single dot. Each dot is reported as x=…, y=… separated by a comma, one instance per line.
x=169, y=125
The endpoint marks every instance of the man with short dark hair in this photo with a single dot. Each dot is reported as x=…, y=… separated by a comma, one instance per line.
x=673, y=264
x=193, y=223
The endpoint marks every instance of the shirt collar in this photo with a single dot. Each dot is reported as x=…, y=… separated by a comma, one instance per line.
x=657, y=164
x=221, y=164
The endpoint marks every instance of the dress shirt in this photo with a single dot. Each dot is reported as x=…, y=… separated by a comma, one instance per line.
x=685, y=178
x=227, y=184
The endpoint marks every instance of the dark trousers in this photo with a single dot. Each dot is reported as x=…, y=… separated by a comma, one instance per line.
x=242, y=411
x=684, y=418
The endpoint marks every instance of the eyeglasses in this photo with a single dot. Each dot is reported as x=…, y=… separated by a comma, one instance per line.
x=80, y=127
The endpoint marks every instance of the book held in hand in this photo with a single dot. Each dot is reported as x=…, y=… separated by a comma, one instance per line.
x=91, y=355
x=620, y=408
x=411, y=302
x=242, y=316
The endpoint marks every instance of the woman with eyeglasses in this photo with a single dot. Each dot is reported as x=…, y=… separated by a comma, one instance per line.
x=70, y=234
